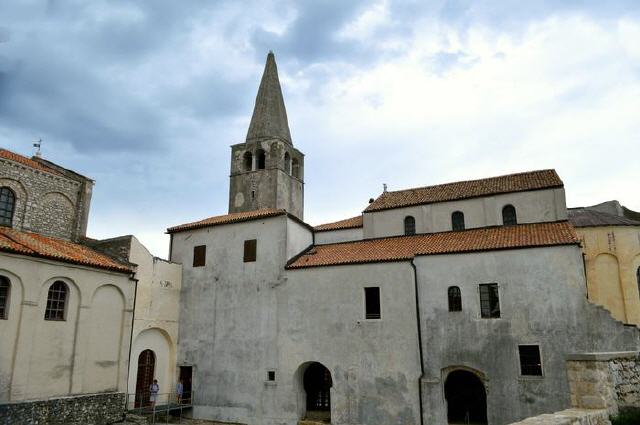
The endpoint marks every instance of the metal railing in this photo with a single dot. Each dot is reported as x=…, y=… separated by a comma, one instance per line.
x=159, y=404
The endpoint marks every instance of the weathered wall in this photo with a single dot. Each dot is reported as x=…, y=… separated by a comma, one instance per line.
x=531, y=207
x=612, y=255
x=543, y=302
x=54, y=205
x=343, y=235
x=87, y=352
x=94, y=409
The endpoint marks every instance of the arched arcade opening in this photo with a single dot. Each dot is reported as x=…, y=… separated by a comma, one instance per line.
x=466, y=398
x=316, y=383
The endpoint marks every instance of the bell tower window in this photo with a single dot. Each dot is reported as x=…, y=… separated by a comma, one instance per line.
x=261, y=159
x=287, y=163
x=247, y=161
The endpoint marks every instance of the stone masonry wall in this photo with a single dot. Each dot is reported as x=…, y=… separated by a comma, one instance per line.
x=45, y=202
x=93, y=409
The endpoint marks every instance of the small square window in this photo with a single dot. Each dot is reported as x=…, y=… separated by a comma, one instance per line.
x=199, y=255
x=250, y=250
x=489, y=301
x=372, y=303
x=530, y=361
x=271, y=375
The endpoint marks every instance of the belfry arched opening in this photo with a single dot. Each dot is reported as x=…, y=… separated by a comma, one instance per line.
x=466, y=398
x=317, y=384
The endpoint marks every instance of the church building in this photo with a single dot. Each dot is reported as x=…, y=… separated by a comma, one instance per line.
x=453, y=303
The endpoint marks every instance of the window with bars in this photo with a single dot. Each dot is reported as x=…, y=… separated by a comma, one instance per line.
x=199, y=255
x=7, y=206
x=455, y=299
x=509, y=217
x=530, y=361
x=489, y=301
x=57, y=301
x=372, y=303
x=409, y=225
x=5, y=289
x=457, y=221
x=250, y=248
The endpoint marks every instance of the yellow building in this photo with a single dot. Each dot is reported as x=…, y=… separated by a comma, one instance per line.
x=610, y=235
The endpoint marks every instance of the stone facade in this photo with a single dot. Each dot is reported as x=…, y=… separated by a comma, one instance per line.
x=92, y=409
x=54, y=203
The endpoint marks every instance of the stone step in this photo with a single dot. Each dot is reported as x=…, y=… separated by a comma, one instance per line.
x=311, y=422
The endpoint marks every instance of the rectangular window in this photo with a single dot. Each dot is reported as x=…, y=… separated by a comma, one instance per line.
x=199, y=255
x=489, y=301
x=530, y=362
x=271, y=375
x=372, y=303
x=250, y=250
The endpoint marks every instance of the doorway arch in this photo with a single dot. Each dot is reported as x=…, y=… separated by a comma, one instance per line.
x=316, y=384
x=144, y=377
x=466, y=398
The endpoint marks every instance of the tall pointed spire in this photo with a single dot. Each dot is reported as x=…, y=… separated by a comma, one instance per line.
x=269, y=118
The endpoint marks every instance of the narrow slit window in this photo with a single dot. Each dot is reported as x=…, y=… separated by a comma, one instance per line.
x=509, y=217
x=250, y=248
x=489, y=301
x=56, y=301
x=7, y=206
x=5, y=289
x=199, y=255
x=457, y=221
x=409, y=225
x=530, y=360
x=372, y=303
x=455, y=299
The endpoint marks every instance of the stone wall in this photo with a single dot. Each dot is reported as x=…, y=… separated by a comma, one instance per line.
x=93, y=409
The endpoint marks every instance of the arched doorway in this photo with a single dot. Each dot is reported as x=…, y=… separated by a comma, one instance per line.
x=144, y=377
x=466, y=398
x=317, y=386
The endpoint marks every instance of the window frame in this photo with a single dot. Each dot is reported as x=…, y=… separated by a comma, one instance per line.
x=409, y=225
x=521, y=366
x=450, y=299
x=509, y=207
x=11, y=199
x=199, y=252
x=47, y=315
x=5, y=301
x=365, y=298
x=246, y=256
x=488, y=285
x=460, y=216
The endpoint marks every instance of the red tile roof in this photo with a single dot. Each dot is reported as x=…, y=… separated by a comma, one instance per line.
x=227, y=219
x=27, y=161
x=349, y=223
x=532, y=180
x=406, y=247
x=36, y=245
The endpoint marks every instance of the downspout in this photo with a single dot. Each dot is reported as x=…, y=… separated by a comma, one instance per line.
x=133, y=321
x=419, y=328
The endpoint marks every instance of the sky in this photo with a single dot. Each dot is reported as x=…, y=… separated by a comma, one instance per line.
x=146, y=97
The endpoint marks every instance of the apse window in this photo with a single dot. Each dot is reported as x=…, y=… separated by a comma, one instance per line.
x=250, y=247
x=530, y=361
x=199, y=255
x=489, y=301
x=372, y=303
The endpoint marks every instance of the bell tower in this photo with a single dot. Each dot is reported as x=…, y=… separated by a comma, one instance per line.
x=266, y=170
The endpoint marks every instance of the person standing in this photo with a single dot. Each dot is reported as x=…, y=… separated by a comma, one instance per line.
x=179, y=391
x=153, y=393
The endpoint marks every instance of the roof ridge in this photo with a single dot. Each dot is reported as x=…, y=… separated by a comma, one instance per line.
x=26, y=161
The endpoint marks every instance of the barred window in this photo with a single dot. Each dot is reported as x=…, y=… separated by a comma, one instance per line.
x=7, y=205
x=509, y=215
x=455, y=299
x=457, y=221
x=56, y=301
x=530, y=361
x=409, y=225
x=489, y=301
x=5, y=289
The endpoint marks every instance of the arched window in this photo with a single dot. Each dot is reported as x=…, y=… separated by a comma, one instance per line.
x=57, y=301
x=5, y=289
x=509, y=215
x=457, y=220
x=409, y=225
x=455, y=299
x=248, y=161
x=262, y=159
x=287, y=163
x=295, y=168
x=7, y=205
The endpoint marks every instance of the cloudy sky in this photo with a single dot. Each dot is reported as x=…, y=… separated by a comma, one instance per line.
x=146, y=97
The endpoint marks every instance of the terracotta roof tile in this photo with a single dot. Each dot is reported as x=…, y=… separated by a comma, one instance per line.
x=36, y=245
x=585, y=217
x=27, y=161
x=520, y=182
x=406, y=247
x=349, y=223
x=227, y=219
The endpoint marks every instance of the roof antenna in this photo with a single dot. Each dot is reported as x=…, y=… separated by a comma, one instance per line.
x=384, y=187
x=37, y=144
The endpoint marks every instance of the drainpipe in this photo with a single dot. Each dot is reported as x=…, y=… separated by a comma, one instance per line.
x=133, y=321
x=419, y=328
